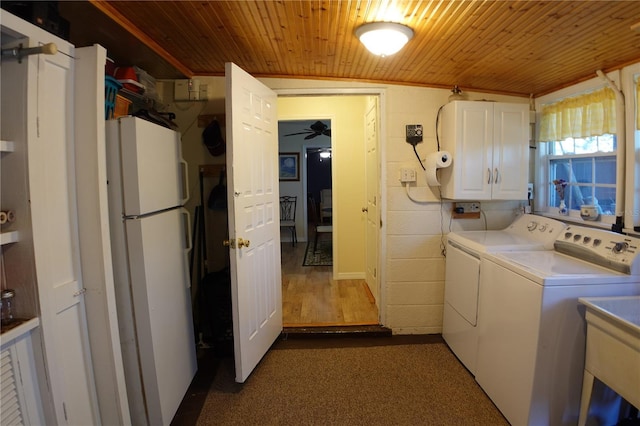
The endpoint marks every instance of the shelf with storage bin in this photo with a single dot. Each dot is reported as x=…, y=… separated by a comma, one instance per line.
x=138, y=100
x=17, y=265
x=7, y=146
x=137, y=91
x=9, y=237
x=115, y=103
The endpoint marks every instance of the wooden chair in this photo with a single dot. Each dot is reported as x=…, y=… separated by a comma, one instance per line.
x=325, y=205
x=318, y=226
x=288, y=216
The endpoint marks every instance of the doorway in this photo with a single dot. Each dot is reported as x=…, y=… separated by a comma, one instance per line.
x=346, y=115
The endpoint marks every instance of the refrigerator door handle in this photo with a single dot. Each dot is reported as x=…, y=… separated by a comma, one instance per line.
x=189, y=247
x=185, y=212
x=185, y=180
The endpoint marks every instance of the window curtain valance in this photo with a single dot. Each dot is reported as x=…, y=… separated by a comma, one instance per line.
x=590, y=114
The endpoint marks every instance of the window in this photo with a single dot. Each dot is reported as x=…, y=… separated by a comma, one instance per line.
x=588, y=167
x=579, y=152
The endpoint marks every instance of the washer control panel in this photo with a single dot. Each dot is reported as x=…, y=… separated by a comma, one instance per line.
x=538, y=228
x=609, y=249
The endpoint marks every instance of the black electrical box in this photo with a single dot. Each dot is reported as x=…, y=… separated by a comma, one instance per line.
x=414, y=133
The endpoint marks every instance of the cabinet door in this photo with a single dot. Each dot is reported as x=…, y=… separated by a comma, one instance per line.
x=468, y=134
x=55, y=233
x=510, y=172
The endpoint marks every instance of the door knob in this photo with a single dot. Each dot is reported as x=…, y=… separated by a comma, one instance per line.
x=243, y=243
x=365, y=209
x=229, y=243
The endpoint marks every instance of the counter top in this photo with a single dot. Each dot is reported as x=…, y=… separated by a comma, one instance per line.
x=23, y=326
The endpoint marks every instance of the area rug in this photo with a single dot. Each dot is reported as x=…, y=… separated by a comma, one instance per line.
x=323, y=256
x=414, y=384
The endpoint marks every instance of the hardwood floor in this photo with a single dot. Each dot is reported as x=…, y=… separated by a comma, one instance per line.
x=311, y=298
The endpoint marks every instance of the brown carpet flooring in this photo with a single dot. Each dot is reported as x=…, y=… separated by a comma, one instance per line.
x=397, y=380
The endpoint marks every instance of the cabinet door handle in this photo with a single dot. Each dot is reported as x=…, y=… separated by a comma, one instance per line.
x=496, y=177
x=488, y=176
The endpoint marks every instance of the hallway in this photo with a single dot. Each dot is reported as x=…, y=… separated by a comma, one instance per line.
x=311, y=298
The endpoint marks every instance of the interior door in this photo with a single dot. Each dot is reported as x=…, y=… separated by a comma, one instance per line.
x=372, y=210
x=254, y=225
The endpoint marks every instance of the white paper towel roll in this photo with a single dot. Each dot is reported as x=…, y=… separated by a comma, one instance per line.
x=436, y=160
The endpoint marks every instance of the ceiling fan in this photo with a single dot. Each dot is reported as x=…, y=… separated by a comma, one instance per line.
x=316, y=129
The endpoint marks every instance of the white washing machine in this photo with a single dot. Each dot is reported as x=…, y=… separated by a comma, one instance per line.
x=462, y=279
x=531, y=328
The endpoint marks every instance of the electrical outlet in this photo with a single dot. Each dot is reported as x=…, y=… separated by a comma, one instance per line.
x=466, y=210
x=408, y=175
x=529, y=191
x=473, y=207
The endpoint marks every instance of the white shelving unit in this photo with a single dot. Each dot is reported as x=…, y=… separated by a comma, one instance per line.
x=7, y=146
x=8, y=237
x=19, y=387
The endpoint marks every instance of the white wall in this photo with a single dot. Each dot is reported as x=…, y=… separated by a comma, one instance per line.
x=412, y=272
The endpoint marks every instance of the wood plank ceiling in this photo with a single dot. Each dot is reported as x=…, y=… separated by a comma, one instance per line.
x=514, y=47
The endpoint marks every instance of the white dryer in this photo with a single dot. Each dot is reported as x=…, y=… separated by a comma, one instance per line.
x=531, y=327
x=462, y=279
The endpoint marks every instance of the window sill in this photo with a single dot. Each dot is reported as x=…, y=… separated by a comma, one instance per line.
x=577, y=220
x=631, y=232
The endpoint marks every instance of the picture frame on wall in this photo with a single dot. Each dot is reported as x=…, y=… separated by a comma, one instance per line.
x=289, y=166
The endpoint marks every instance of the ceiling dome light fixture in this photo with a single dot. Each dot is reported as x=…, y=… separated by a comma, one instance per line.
x=384, y=38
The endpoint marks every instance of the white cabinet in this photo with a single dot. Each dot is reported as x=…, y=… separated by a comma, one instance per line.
x=37, y=115
x=489, y=142
x=19, y=386
x=93, y=231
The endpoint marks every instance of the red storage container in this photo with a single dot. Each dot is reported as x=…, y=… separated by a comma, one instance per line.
x=127, y=76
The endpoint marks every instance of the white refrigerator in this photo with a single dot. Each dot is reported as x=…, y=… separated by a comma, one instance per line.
x=149, y=243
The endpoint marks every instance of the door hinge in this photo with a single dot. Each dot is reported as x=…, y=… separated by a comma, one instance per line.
x=80, y=292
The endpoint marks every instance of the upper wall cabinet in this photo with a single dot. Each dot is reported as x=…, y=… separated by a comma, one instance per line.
x=489, y=142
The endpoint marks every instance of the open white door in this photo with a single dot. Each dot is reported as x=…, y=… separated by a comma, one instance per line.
x=254, y=224
x=372, y=209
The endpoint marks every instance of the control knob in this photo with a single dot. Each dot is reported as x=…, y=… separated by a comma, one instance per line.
x=532, y=225
x=620, y=247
